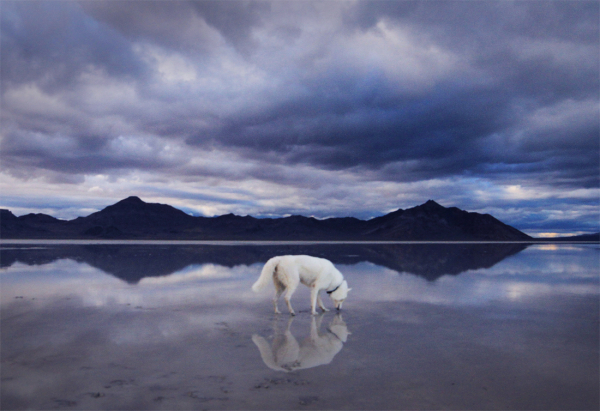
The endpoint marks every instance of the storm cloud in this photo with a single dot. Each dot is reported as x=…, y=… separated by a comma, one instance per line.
x=320, y=108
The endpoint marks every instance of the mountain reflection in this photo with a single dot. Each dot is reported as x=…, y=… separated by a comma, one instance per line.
x=134, y=262
x=284, y=353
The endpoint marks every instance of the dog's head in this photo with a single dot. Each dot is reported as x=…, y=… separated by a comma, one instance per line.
x=340, y=295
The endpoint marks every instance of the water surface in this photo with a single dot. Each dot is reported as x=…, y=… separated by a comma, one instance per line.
x=426, y=326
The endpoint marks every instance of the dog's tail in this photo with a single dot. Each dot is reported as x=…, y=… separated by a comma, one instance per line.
x=266, y=275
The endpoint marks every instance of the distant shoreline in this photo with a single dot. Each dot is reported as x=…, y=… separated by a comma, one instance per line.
x=8, y=241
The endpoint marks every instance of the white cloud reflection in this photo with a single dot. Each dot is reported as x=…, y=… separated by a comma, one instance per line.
x=67, y=279
x=535, y=272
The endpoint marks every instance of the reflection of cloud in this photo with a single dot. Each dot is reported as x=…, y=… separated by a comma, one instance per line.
x=532, y=273
x=548, y=247
x=138, y=312
x=62, y=278
x=190, y=274
x=68, y=279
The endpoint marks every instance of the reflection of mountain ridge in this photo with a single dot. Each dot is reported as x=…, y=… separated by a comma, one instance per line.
x=134, y=262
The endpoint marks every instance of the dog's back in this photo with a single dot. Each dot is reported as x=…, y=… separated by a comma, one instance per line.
x=311, y=268
x=293, y=268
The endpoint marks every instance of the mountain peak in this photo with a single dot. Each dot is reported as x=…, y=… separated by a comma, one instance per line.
x=431, y=204
x=131, y=200
x=6, y=215
x=133, y=203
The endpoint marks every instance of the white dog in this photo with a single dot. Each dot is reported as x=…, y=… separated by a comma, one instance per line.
x=316, y=273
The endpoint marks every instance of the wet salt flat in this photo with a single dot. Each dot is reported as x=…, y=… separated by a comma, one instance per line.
x=426, y=326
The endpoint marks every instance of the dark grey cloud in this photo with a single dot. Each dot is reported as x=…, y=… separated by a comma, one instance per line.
x=505, y=92
x=521, y=49
x=473, y=26
x=521, y=44
x=50, y=43
x=234, y=19
x=182, y=25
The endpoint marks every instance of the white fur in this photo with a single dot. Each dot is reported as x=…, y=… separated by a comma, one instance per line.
x=316, y=273
x=286, y=354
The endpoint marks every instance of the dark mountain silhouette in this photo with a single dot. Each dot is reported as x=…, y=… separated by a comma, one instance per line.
x=433, y=221
x=132, y=218
x=595, y=237
x=133, y=262
x=31, y=226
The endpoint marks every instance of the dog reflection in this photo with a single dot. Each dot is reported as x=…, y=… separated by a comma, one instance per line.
x=286, y=354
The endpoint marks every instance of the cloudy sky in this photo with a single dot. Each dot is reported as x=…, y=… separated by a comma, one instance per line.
x=324, y=108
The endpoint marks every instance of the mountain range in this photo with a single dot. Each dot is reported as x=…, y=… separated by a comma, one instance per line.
x=133, y=218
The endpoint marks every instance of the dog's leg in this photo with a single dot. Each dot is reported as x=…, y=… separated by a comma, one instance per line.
x=288, y=296
x=314, y=294
x=320, y=302
x=292, y=279
x=275, y=299
x=279, y=287
x=289, y=304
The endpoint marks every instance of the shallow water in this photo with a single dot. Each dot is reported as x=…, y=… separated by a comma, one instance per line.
x=426, y=326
